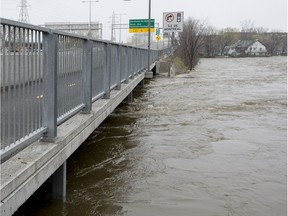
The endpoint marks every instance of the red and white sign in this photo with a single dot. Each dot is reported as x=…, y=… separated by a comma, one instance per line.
x=173, y=22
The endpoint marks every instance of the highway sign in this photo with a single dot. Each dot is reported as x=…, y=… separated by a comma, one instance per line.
x=140, y=30
x=140, y=25
x=173, y=22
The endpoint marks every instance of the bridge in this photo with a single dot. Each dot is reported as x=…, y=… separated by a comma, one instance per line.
x=56, y=89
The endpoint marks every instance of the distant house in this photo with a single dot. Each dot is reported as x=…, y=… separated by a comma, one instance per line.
x=229, y=51
x=246, y=48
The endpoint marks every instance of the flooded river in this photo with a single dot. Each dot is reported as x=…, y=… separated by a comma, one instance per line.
x=211, y=142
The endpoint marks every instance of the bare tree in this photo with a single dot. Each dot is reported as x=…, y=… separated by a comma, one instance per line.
x=227, y=37
x=191, y=40
x=248, y=30
x=199, y=39
x=274, y=42
x=210, y=45
x=284, y=44
x=261, y=30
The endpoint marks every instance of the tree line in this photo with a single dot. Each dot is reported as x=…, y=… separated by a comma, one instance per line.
x=201, y=40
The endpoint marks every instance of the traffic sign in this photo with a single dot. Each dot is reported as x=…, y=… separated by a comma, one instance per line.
x=173, y=22
x=158, y=37
x=140, y=30
x=157, y=31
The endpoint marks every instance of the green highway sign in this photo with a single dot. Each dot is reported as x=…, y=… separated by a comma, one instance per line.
x=140, y=23
x=157, y=31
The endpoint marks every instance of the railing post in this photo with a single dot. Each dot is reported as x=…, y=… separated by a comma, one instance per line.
x=87, y=67
x=134, y=55
x=138, y=61
x=49, y=114
x=131, y=57
x=107, y=71
x=126, y=65
x=119, y=71
x=141, y=62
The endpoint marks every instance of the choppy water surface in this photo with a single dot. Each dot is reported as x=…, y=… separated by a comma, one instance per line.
x=208, y=143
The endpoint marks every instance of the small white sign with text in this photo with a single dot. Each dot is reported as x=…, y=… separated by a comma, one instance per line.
x=173, y=22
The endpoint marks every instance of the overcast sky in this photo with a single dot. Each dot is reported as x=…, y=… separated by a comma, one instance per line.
x=271, y=14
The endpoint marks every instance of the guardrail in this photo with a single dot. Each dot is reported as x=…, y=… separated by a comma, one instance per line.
x=47, y=76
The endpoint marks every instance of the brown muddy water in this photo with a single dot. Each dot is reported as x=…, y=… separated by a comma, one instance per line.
x=212, y=142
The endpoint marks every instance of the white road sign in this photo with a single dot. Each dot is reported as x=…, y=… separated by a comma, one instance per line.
x=173, y=22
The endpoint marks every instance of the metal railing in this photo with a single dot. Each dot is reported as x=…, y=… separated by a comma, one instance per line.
x=47, y=76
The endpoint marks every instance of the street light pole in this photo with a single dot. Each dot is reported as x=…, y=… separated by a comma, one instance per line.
x=120, y=26
x=149, y=34
x=90, y=1
x=120, y=23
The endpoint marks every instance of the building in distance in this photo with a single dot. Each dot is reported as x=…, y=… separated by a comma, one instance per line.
x=246, y=48
x=78, y=28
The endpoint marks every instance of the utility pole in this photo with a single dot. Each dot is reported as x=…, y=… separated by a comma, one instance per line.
x=116, y=25
x=120, y=24
x=23, y=15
